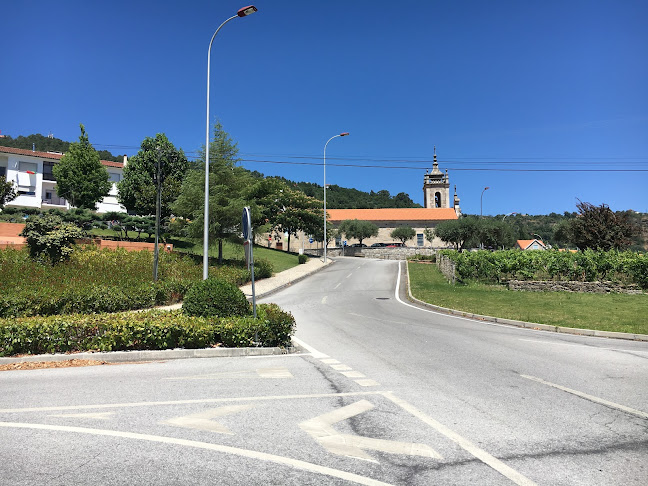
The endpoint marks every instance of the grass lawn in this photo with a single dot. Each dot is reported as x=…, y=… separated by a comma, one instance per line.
x=604, y=312
x=280, y=260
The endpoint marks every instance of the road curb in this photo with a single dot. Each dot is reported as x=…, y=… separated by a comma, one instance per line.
x=152, y=355
x=291, y=282
x=526, y=325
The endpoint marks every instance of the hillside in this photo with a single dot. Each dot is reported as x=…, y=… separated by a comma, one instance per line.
x=42, y=143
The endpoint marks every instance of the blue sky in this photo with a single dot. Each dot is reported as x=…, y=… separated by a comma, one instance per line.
x=523, y=97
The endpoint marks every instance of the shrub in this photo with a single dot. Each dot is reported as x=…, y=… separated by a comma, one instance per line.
x=302, y=259
x=49, y=238
x=215, y=298
x=141, y=331
x=262, y=268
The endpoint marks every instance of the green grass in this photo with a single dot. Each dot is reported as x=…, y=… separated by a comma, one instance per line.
x=279, y=259
x=604, y=312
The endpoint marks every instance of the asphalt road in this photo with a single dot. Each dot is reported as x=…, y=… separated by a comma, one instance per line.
x=385, y=393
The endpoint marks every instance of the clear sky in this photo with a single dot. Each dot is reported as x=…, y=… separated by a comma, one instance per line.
x=523, y=97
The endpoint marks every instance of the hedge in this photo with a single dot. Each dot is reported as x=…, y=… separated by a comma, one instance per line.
x=149, y=330
x=625, y=267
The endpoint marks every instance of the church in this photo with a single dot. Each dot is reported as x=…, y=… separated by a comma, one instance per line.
x=439, y=206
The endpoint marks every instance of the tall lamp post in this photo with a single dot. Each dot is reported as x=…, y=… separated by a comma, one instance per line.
x=325, y=238
x=481, y=202
x=243, y=12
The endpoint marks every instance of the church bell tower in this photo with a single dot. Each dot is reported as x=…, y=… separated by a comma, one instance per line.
x=436, y=187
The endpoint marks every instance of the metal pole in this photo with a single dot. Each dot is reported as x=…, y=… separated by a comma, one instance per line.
x=158, y=210
x=325, y=145
x=206, y=216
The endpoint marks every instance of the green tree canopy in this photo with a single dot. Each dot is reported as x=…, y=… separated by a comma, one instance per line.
x=7, y=192
x=600, y=228
x=357, y=229
x=461, y=233
x=403, y=233
x=138, y=187
x=228, y=185
x=80, y=177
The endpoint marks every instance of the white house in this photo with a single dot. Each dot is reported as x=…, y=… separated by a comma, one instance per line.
x=31, y=173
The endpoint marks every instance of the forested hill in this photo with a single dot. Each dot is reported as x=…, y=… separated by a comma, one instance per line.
x=345, y=198
x=41, y=143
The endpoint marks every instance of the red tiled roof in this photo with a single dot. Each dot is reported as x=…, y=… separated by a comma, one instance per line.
x=393, y=214
x=524, y=244
x=48, y=155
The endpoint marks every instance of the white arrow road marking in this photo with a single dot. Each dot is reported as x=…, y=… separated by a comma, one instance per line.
x=203, y=420
x=349, y=445
x=91, y=415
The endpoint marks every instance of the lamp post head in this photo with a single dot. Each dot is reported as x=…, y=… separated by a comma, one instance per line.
x=245, y=11
x=344, y=134
x=485, y=188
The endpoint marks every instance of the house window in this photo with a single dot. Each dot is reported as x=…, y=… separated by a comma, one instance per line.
x=3, y=172
x=48, y=175
x=419, y=239
x=114, y=177
x=27, y=178
x=338, y=241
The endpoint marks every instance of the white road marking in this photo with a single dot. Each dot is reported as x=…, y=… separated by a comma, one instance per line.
x=287, y=355
x=262, y=456
x=465, y=444
x=591, y=398
x=314, y=352
x=341, y=367
x=324, y=299
x=584, y=345
x=204, y=420
x=337, y=285
x=320, y=428
x=367, y=382
x=259, y=373
x=353, y=374
x=330, y=361
x=349, y=276
x=183, y=402
x=90, y=415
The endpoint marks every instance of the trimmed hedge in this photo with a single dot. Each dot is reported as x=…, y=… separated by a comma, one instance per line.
x=152, y=330
x=215, y=298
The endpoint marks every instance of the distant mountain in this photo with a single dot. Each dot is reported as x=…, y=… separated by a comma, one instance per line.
x=41, y=143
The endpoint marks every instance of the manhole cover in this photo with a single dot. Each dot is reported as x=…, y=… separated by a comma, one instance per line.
x=382, y=298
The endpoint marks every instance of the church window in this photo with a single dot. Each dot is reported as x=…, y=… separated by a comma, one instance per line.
x=437, y=199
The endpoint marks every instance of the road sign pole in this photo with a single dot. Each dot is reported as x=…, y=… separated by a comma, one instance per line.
x=246, y=226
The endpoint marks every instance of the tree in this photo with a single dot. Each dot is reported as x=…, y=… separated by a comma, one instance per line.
x=599, y=228
x=403, y=233
x=287, y=210
x=228, y=185
x=7, y=191
x=460, y=233
x=138, y=188
x=429, y=234
x=495, y=233
x=80, y=177
x=359, y=230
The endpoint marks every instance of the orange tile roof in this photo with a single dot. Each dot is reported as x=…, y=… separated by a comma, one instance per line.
x=393, y=214
x=524, y=244
x=48, y=155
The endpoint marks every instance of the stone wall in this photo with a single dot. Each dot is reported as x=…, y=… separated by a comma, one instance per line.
x=447, y=268
x=584, y=287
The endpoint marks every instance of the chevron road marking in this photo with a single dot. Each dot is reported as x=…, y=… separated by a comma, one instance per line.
x=203, y=420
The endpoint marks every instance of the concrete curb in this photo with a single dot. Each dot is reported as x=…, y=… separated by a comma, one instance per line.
x=161, y=355
x=527, y=325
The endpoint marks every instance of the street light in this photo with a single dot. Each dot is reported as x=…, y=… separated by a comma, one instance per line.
x=508, y=214
x=481, y=202
x=325, y=238
x=242, y=12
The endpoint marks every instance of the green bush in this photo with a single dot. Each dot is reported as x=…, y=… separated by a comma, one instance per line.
x=625, y=267
x=142, y=330
x=215, y=298
x=302, y=259
x=262, y=268
x=49, y=238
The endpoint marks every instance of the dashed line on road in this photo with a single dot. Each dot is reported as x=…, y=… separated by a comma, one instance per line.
x=591, y=398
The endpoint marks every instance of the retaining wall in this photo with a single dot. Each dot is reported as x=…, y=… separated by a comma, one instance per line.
x=447, y=268
x=572, y=286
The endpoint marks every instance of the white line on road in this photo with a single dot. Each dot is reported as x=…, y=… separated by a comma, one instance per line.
x=465, y=444
x=591, y=398
x=262, y=456
x=314, y=352
x=349, y=276
x=287, y=355
x=337, y=285
x=324, y=299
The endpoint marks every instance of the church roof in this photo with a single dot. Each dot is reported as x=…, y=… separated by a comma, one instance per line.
x=393, y=214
